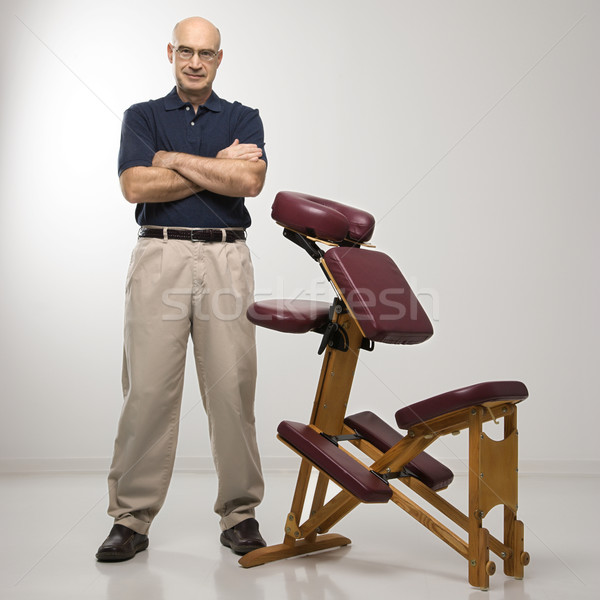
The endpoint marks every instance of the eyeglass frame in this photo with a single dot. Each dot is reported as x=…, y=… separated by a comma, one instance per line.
x=205, y=59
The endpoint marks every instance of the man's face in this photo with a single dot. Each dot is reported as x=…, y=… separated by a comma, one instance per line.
x=194, y=76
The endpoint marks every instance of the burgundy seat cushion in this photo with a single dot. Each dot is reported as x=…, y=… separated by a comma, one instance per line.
x=321, y=218
x=473, y=395
x=341, y=467
x=289, y=315
x=424, y=467
x=379, y=296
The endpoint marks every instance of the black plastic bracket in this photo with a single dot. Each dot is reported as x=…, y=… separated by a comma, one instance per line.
x=335, y=439
x=308, y=245
x=396, y=475
x=367, y=344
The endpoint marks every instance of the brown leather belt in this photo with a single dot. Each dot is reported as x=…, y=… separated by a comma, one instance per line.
x=193, y=235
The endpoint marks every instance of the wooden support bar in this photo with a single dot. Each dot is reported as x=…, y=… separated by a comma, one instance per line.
x=335, y=381
x=262, y=556
x=320, y=493
x=318, y=499
x=450, y=511
x=301, y=486
x=325, y=518
x=437, y=528
x=401, y=453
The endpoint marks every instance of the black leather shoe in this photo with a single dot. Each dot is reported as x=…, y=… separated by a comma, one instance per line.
x=243, y=537
x=122, y=543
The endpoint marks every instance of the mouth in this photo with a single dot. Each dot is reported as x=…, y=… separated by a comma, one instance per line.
x=194, y=76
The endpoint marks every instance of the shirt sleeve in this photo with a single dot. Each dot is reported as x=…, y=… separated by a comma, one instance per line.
x=138, y=144
x=249, y=130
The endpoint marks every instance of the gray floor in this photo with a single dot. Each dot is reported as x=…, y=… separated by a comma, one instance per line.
x=51, y=525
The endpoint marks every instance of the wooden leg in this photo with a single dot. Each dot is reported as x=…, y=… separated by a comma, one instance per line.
x=480, y=566
x=514, y=530
x=514, y=538
x=298, y=501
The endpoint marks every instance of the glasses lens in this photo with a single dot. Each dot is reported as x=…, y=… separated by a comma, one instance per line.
x=187, y=54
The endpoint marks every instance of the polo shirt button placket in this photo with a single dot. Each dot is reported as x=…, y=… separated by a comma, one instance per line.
x=187, y=108
x=193, y=131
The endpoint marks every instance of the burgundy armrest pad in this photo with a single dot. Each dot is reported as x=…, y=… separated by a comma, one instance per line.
x=289, y=315
x=341, y=467
x=321, y=218
x=473, y=395
x=424, y=467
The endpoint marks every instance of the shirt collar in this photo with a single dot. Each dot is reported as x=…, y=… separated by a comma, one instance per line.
x=172, y=101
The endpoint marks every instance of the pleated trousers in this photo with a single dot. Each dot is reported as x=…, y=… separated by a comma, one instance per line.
x=176, y=290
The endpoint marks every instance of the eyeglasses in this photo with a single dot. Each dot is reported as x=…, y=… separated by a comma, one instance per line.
x=205, y=56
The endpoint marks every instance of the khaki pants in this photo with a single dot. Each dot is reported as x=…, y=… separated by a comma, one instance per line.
x=176, y=289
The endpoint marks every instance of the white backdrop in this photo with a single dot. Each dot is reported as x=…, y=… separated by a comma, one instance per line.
x=470, y=129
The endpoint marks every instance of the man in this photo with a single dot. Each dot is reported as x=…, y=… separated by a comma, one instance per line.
x=187, y=161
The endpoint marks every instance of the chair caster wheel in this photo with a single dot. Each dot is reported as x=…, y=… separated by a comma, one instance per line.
x=525, y=558
x=490, y=567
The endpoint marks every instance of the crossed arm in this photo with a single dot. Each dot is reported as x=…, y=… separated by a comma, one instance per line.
x=236, y=171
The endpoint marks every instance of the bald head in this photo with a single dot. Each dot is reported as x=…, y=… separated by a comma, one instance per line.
x=194, y=26
x=194, y=40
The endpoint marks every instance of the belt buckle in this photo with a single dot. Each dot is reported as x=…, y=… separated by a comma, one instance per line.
x=196, y=239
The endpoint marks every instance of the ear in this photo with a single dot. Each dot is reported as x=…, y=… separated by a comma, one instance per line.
x=219, y=57
x=170, y=52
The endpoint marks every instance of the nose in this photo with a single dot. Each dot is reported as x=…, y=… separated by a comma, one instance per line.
x=195, y=62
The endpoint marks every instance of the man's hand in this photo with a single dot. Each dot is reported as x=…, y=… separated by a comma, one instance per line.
x=249, y=152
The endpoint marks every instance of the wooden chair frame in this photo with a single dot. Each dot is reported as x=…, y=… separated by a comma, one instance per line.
x=492, y=476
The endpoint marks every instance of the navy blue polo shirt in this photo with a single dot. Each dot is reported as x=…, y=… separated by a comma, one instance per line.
x=171, y=124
